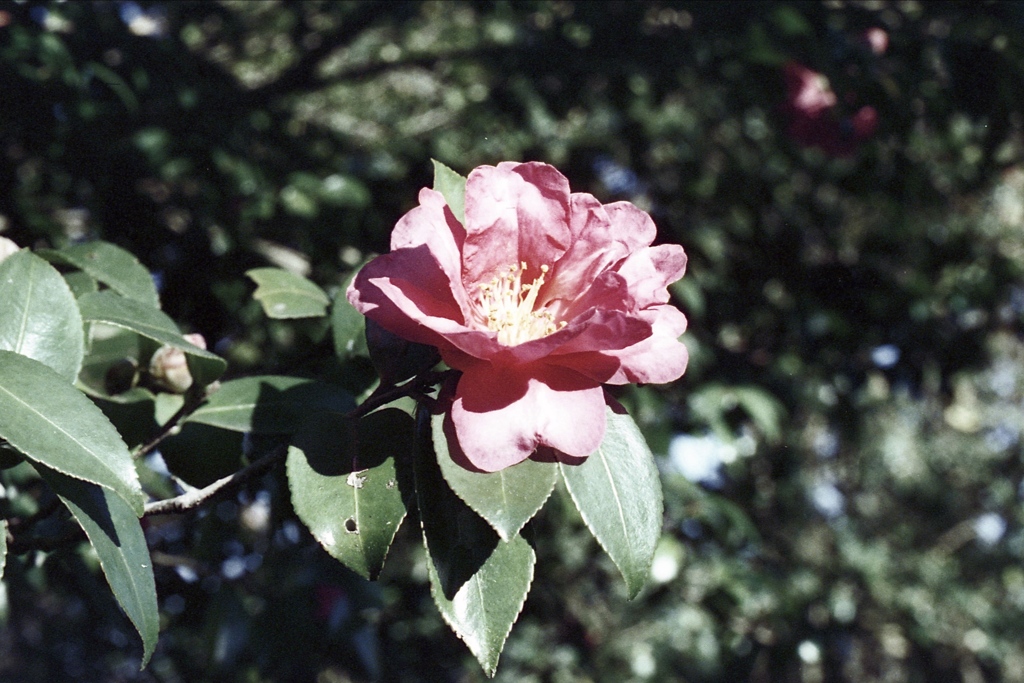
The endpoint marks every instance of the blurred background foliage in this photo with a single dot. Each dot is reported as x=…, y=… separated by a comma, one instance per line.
x=843, y=459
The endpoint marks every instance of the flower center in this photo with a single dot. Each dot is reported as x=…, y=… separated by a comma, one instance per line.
x=508, y=307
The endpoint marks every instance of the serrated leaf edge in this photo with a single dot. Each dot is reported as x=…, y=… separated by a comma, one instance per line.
x=632, y=590
x=435, y=586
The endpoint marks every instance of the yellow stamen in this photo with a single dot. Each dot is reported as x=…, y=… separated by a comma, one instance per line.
x=508, y=307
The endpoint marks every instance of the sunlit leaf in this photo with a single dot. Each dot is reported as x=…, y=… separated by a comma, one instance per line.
x=270, y=404
x=507, y=499
x=111, y=265
x=286, y=295
x=54, y=424
x=39, y=317
x=478, y=581
x=3, y=547
x=111, y=309
x=116, y=534
x=345, y=486
x=452, y=187
x=618, y=494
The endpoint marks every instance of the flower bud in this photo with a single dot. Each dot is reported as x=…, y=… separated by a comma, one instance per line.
x=7, y=247
x=168, y=368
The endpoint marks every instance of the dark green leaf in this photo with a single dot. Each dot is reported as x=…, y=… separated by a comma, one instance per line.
x=478, y=582
x=81, y=283
x=345, y=486
x=347, y=325
x=111, y=265
x=396, y=359
x=453, y=187
x=111, y=309
x=39, y=317
x=618, y=493
x=286, y=295
x=116, y=535
x=270, y=404
x=507, y=499
x=54, y=424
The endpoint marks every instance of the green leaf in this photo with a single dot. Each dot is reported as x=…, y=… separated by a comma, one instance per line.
x=270, y=404
x=345, y=486
x=287, y=295
x=111, y=265
x=81, y=283
x=116, y=534
x=478, y=582
x=452, y=187
x=484, y=609
x=54, y=424
x=39, y=317
x=347, y=325
x=109, y=308
x=618, y=493
x=507, y=499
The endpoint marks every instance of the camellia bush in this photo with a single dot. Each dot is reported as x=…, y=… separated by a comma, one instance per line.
x=504, y=307
x=841, y=465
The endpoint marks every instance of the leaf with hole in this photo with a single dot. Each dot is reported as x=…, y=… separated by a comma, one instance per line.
x=116, y=534
x=39, y=316
x=346, y=487
x=508, y=498
x=618, y=494
x=54, y=424
x=286, y=295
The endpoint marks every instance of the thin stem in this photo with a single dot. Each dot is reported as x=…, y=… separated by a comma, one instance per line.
x=193, y=499
x=192, y=401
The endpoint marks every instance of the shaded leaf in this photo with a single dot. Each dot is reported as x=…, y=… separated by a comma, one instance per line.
x=452, y=187
x=109, y=308
x=286, y=295
x=618, y=494
x=54, y=424
x=39, y=317
x=116, y=534
x=478, y=582
x=396, y=359
x=270, y=404
x=81, y=283
x=347, y=325
x=3, y=547
x=507, y=499
x=111, y=265
x=345, y=486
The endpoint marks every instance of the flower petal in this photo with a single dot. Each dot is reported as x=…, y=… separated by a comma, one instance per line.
x=661, y=357
x=514, y=213
x=420, y=308
x=650, y=270
x=432, y=224
x=502, y=416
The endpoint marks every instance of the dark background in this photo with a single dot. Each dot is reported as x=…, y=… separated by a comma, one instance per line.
x=855, y=392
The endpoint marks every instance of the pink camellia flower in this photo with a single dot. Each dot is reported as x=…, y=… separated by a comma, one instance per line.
x=539, y=298
x=813, y=119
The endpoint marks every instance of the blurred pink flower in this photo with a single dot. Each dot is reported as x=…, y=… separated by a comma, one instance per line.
x=876, y=39
x=813, y=119
x=538, y=299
